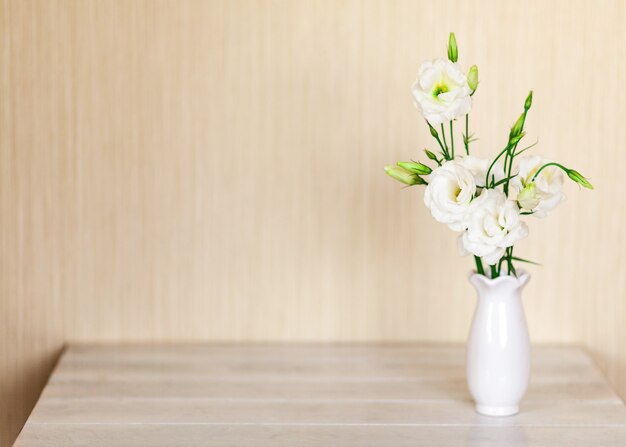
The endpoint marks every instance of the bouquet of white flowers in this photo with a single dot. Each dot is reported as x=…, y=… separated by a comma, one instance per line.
x=482, y=199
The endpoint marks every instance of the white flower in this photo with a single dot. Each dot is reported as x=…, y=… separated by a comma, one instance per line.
x=441, y=91
x=479, y=167
x=449, y=194
x=494, y=224
x=548, y=185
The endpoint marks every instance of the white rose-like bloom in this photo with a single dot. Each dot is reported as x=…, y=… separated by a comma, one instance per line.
x=479, y=167
x=441, y=91
x=548, y=184
x=494, y=224
x=449, y=194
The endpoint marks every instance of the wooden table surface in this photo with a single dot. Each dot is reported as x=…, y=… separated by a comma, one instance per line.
x=311, y=395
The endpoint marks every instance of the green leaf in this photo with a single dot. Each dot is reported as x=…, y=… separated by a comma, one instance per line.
x=526, y=148
x=471, y=138
x=504, y=180
x=515, y=258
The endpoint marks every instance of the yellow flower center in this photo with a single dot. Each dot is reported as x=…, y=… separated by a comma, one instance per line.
x=439, y=89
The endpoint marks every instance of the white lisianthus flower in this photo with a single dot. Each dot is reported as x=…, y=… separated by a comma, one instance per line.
x=441, y=91
x=479, y=167
x=494, y=224
x=450, y=193
x=547, y=191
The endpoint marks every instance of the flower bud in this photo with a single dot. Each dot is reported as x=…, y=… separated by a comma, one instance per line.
x=579, y=178
x=517, y=127
x=415, y=167
x=404, y=176
x=528, y=199
x=433, y=131
x=514, y=140
x=529, y=101
x=453, y=51
x=430, y=154
x=472, y=78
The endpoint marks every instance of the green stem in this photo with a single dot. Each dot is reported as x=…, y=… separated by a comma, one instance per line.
x=545, y=166
x=506, y=160
x=445, y=143
x=511, y=155
x=479, y=265
x=511, y=268
x=443, y=149
x=494, y=272
x=493, y=164
x=452, y=137
x=466, y=140
x=508, y=261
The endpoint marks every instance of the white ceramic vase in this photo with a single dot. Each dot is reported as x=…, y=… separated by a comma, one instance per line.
x=498, y=349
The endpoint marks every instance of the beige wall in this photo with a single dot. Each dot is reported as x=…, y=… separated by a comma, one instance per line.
x=213, y=171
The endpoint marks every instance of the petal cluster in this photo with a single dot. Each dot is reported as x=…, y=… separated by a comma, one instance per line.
x=450, y=192
x=493, y=226
x=441, y=91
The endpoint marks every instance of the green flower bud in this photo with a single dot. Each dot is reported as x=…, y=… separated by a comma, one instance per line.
x=579, y=178
x=404, y=176
x=528, y=199
x=430, y=155
x=453, y=51
x=433, y=131
x=417, y=168
x=514, y=140
x=472, y=78
x=517, y=127
x=529, y=101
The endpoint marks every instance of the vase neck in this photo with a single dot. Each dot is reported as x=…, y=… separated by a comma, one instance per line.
x=499, y=287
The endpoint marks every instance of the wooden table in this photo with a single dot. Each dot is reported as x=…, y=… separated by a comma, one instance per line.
x=311, y=395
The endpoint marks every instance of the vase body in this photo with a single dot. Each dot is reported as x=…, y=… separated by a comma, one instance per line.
x=498, y=348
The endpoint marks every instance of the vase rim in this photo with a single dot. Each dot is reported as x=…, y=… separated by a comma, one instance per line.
x=522, y=278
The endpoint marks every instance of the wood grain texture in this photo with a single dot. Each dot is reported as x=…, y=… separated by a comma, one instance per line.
x=36, y=207
x=212, y=170
x=73, y=410
x=315, y=436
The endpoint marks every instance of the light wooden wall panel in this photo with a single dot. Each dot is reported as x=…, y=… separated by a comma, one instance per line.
x=212, y=170
x=36, y=207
